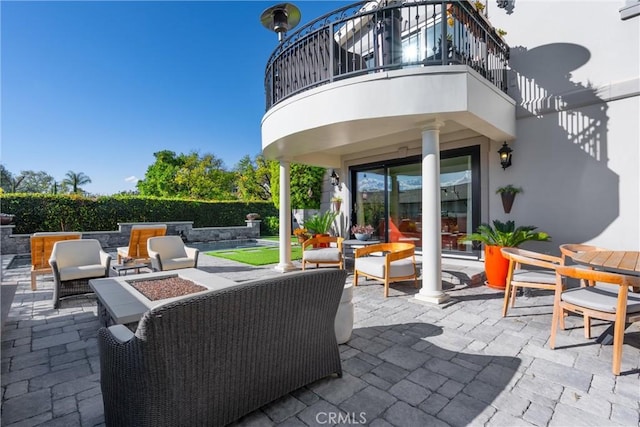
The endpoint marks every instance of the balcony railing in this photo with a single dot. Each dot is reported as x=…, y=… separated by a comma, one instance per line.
x=367, y=37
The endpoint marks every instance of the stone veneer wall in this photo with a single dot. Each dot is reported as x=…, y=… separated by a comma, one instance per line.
x=20, y=243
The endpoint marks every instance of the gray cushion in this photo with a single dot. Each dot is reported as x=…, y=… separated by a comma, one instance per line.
x=600, y=298
x=535, y=276
x=322, y=255
x=375, y=266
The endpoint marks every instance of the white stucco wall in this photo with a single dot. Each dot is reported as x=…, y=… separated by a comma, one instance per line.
x=576, y=78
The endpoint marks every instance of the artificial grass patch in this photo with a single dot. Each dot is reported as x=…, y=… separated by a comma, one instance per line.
x=256, y=256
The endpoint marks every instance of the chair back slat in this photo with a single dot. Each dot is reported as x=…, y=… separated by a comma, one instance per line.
x=42, y=246
x=138, y=239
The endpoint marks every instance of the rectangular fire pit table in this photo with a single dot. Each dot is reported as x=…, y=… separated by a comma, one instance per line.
x=120, y=303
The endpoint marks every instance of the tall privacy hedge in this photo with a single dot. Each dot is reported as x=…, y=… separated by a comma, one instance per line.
x=47, y=212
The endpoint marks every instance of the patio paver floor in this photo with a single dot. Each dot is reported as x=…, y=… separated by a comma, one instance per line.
x=407, y=364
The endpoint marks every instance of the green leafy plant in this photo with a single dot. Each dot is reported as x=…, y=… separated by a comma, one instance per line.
x=509, y=189
x=336, y=199
x=321, y=223
x=506, y=234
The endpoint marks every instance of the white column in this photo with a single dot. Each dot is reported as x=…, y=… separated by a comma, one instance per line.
x=285, y=219
x=431, y=290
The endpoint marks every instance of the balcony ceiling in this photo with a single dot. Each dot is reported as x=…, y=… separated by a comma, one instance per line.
x=383, y=110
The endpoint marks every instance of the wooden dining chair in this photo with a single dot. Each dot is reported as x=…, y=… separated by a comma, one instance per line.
x=542, y=276
x=595, y=302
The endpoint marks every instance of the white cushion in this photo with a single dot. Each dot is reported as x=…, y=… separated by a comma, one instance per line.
x=167, y=247
x=82, y=272
x=74, y=253
x=322, y=254
x=375, y=266
x=177, y=263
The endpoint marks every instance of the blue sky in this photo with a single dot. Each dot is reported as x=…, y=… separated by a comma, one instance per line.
x=98, y=87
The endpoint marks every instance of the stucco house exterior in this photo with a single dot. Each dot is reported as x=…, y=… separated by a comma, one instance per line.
x=409, y=102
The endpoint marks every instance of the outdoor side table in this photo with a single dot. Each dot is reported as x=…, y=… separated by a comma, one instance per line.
x=119, y=268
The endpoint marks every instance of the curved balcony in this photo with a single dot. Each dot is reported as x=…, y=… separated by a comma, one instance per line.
x=369, y=37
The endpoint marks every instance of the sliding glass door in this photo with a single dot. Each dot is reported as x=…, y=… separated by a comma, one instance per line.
x=388, y=196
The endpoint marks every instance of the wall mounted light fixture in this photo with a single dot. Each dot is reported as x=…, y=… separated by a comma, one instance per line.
x=335, y=180
x=505, y=155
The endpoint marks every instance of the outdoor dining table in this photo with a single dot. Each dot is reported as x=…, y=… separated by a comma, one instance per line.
x=621, y=262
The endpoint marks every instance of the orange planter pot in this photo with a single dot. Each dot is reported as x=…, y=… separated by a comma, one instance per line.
x=496, y=267
x=321, y=245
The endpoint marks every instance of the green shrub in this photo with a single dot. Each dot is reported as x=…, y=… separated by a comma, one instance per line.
x=48, y=212
x=270, y=226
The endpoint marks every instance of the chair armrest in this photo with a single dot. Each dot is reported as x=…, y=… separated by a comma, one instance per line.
x=396, y=255
x=121, y=333
x=105, y=260
x=192, y=252
x=156, y=263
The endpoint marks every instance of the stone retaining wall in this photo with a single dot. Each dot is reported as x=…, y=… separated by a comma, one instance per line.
x=20, y=244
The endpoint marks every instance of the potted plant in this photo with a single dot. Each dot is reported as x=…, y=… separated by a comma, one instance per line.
x=508, y=194
x=302, y=234
x=362, y=232
x=6, y=219
x=337, y=202
x=320, y=224
x=502, y=235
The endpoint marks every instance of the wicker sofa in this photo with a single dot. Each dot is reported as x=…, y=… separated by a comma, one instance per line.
x=209, y=359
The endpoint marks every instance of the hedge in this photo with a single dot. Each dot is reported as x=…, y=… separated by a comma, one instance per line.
x=48, y=212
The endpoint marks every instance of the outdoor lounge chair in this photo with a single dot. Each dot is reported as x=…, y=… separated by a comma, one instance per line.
x=137, y=249
x=170, y=253
x=398, y=263
x=542, y=277
x=74, y=263
x=594, y=302
x=41, y=247
x=319, y=250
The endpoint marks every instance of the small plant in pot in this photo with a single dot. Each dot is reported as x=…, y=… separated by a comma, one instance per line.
x=320, y=224
x=362, y=232
x=502, y=235
x=508, y=195
x=337, y=202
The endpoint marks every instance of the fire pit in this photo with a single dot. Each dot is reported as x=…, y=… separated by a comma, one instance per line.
x=165, y=287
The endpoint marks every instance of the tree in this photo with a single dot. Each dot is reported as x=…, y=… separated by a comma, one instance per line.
x=253, y=178
x=36, y=182
x=306, y=185
x=191, y=176
x=6, y=179
x=159, y=179
x=75, y=180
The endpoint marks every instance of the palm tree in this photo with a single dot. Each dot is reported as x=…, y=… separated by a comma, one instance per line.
x=75, y=180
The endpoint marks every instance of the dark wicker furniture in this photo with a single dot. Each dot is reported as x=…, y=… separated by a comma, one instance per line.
x=211, y=358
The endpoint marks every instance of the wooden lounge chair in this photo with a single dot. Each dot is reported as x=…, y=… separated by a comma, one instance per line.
x=397, y=264
x=318, y=250
x=41, y=247
x=137, y=249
